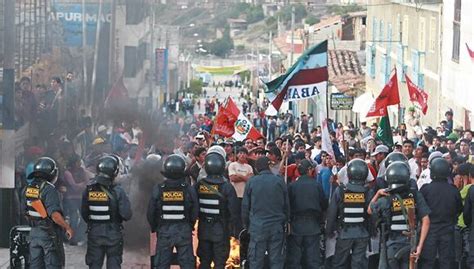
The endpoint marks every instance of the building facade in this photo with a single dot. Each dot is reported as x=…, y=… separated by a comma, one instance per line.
x=405, y=36
x=458, y=66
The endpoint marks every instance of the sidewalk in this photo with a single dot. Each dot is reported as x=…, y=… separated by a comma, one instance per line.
x=4, y=258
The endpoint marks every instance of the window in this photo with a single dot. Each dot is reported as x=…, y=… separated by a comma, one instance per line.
x=418, y=77
x=384, y=69
x=135, y=11
x=433, y=35
x=456, y=30
x=381, y=37
x=401, y=66
x=374, y=29
x=130, y=62
x=422, y=34
x=405, y=30
x=370, y=55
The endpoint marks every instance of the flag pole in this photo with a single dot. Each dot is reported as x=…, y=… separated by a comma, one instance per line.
x=286, y=159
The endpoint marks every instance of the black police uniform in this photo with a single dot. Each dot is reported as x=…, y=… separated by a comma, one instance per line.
x=468, y=215
x=347, y=214
x=307, y=207
x=389, y=208
x=104, y=207
x=46, y=244
x=218, y=209
x=445, y=203
x=265, y=213
x=172, y=213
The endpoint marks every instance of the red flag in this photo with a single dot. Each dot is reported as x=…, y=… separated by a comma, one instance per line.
x=117, y=93
x=417, y=95
x=224, y=122
x=231, y=122
x=389, y=96
x=471, y=52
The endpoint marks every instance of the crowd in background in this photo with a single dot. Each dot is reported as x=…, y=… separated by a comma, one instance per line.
x=77, y=141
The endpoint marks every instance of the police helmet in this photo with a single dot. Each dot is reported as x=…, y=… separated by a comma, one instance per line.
x=45, y=168
x=439, y=169
x=214, y=164
x=173, y=167
x=398, y=176
x=393, y=157
x=357, y=171
x=108, y=166
x=304, y=166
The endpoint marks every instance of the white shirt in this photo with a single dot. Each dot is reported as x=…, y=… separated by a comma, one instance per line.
x=413, y=168
x=425, y=178
x=344, y=179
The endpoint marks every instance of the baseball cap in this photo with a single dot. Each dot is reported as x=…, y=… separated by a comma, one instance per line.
x=199, y=136
x=380, y=149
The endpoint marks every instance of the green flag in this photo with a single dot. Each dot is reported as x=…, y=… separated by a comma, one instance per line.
x=384, y=132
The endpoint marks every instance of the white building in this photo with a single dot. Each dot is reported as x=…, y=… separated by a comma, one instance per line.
x=458, y=67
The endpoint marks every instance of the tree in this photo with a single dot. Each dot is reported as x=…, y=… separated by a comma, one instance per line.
x=311, y=19
x=195, y=87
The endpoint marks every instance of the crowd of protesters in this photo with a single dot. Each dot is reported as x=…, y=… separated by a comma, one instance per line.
x=77, y=141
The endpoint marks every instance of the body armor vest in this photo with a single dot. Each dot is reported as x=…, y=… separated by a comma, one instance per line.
x=172, y=203
x=32, y=193
x=211, y=203
x=353, y=207
x=399, y=221
x=99, y=204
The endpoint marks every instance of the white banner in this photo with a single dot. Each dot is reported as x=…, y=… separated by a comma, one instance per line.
x=301, y=92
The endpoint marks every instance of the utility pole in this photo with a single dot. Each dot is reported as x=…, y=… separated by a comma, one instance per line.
x=7, y=188
x=112, y=71
x=84, y=55
x=151, y=76
x=96, y=58
x=167, y=83
x=270, y=56
x=292, y=35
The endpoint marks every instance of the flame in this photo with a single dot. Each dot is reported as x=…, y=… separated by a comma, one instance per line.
x=234, y=255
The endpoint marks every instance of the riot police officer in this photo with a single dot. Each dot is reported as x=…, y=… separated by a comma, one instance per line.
x=105, y=206
x=381, y=181
x=307, y=207
x=265, y=214
x=218, y=209
x=445, y=203
x=43, y=210
x=391, y=205
x=172, y=213
x=348, y=215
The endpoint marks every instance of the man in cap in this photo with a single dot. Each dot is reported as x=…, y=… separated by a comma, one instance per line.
x=266, y=216
x=379, y=154
x=445, y=203
x=307, y=206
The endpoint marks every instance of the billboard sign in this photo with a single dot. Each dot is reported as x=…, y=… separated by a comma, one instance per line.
x=161, y=63
x=68, y=16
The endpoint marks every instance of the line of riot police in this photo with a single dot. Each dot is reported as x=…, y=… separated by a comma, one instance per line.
x=285, y=222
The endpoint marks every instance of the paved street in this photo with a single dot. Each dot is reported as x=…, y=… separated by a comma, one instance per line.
x=75, y=258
